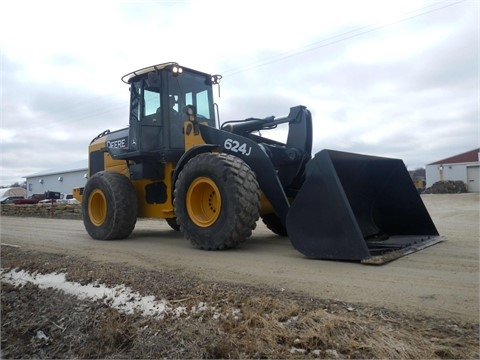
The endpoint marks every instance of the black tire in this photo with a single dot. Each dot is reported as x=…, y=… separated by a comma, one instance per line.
x=216, y=201
x=273, y=223
x=172, y=222
x=109, y=206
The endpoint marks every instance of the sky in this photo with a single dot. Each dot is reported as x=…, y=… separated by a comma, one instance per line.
x=396, y=79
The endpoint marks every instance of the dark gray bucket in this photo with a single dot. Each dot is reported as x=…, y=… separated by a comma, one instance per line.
x=358, y=207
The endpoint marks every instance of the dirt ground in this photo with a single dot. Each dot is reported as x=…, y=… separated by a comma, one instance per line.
x=265, y=300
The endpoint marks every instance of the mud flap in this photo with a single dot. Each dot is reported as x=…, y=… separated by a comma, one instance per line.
x=358, y=207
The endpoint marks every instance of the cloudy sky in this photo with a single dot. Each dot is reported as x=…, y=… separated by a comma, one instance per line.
x=388, y=78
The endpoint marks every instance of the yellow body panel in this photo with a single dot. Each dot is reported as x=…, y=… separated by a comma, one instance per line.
x=147, y=210
x=265, y=206
x=77, y=194
x=191, y=139
x=110, y=164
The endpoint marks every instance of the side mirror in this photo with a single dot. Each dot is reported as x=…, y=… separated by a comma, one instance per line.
x=216, y=79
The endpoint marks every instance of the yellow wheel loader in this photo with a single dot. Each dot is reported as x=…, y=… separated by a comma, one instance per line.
x=213, y=183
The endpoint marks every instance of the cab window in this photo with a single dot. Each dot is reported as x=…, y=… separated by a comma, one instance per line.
x=194, y=89
x=151, y=101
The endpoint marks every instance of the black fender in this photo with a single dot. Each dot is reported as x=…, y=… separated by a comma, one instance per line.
x=189, y=154
x=255, y=156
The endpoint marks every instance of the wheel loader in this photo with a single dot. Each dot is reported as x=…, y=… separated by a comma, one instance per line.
x=213, y=182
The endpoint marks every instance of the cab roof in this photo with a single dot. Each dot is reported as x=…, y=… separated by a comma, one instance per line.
x=168, y=65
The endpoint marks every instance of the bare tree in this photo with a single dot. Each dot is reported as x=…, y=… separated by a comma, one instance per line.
x=17, y=184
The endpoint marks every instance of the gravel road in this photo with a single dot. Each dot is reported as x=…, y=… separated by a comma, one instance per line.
x=440, y=281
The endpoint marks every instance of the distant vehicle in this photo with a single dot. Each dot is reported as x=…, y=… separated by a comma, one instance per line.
x=26, y=201
x=34, y=199
x=67, y=198
x=64, y=199
x=10, y=199
x=46, y=201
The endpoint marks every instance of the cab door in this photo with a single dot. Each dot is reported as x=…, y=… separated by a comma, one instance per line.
x=151, y=121
x=146, y=123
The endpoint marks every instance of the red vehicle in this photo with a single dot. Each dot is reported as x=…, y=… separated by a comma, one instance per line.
x=34, y=199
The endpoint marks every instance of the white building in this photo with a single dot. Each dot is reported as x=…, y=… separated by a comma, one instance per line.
x=61, y=179
x=464, y=167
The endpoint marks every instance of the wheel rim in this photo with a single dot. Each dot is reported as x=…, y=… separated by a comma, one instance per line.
x=203, y=202
x=97, y=207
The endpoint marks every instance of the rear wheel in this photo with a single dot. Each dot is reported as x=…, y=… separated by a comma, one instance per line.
x=109, y=206
x=216, y=201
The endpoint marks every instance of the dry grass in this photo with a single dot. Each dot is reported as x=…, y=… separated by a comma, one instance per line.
x=239, y=321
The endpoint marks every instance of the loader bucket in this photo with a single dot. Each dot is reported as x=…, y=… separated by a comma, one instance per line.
x=358, y=207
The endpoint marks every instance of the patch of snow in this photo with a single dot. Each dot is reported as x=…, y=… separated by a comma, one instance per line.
x=10, y=245
x=119, y=297
x=179, y=311
x=41, y=335
x=295, y=350
x=201, y=307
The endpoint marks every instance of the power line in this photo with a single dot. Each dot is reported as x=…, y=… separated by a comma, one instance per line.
x=337, y=38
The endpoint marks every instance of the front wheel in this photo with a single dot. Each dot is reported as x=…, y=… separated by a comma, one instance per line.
x=109, y=206
x=216, y=201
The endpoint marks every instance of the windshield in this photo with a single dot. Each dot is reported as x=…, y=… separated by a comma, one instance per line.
x=191, y=88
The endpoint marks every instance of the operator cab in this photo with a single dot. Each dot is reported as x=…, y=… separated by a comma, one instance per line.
x=158, y=97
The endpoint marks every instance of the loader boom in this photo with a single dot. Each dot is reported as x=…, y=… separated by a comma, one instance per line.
x=279, y=168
